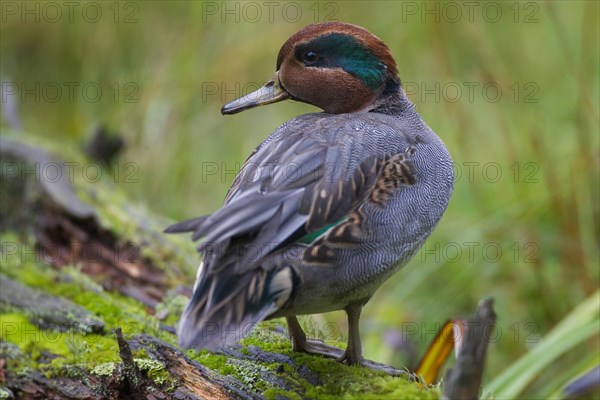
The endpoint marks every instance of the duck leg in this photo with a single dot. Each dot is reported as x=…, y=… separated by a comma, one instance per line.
x=312, y=346
x=353, y=354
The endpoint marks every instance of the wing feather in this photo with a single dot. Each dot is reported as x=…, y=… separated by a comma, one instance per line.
x=291, y=186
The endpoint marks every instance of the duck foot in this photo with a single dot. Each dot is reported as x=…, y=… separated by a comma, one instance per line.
x=388, y=369
x=320, y=348
x=374, y=365
x=351, y=356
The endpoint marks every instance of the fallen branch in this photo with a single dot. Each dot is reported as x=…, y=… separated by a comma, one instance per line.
x=463, y=381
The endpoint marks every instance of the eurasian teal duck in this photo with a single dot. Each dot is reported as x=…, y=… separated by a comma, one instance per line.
x=329, y=206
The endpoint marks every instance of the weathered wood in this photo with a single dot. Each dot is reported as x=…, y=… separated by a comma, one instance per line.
x=463, y=381
x=194, y=378
x=132, y=378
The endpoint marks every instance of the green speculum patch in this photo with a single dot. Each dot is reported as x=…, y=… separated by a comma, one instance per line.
x=310, y=237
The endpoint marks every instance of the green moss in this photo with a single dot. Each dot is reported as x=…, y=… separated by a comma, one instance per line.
x=4, y=393
x=116, y=310
x=99, y=353
x=338, y=380
x=51, y=350
x=273, y=394
x=54, y=353
x=70, y=283
x=249, y=373
x=155, y=370
x=105, y=369
x=15, y=328
x=20, y=262
x=343, y=381
x=264, y=336
x=216, y=362
x=170, y=309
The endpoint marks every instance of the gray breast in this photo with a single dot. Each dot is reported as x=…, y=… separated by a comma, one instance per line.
x=395, y=231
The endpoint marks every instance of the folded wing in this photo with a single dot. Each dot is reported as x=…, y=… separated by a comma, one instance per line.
x=289, y=188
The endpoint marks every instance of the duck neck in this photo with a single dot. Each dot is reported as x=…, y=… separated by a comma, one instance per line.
x=393, y=100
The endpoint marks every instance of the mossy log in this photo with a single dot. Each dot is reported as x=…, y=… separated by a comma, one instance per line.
x=90, y=292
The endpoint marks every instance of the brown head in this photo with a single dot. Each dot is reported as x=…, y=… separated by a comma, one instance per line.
x=335, y=66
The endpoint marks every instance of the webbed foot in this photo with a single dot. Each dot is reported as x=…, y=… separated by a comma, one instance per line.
x=351, y=357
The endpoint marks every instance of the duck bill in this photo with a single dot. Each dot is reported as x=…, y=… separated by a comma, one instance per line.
x=271, y=92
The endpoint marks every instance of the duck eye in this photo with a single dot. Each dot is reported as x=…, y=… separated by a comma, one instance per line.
x=310, y=57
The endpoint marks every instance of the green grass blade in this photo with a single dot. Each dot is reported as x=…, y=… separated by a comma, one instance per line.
x=579, y=325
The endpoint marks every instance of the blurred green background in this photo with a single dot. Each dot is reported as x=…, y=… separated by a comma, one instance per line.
x=511, y=87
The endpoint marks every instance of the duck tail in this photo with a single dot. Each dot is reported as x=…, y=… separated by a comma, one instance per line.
x=224, y=309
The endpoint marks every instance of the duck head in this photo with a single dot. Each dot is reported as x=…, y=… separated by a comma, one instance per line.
x=338, y=67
